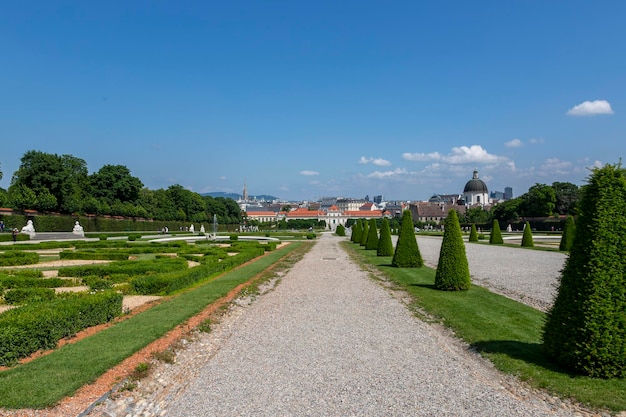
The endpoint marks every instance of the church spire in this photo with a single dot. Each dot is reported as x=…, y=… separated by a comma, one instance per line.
x=245, y=191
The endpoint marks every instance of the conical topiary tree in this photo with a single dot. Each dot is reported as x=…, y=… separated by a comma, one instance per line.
x=585, y=329
x=357, y=230
x=340, y=230
x=372, y=236
x=385, y=245
x=527, y=237
x=473, y=237
x=452, y=269
x=364, y=233
x=569, y=231
x=407, y=253
x=495, y=237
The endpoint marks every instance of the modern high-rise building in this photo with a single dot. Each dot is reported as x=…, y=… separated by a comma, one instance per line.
x=508, y=193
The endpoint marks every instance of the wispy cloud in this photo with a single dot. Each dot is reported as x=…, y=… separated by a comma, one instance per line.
x=536, y=140
x=591, y=108
x=514, y=143
x=375, y=161
x=388, y=174
x=458, y=155
x=309, y=173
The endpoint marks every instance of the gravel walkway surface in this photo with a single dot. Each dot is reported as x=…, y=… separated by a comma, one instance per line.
x=529, y=276
x=329, y=341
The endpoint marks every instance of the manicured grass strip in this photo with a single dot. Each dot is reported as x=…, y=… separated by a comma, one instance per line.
x=503, y=330
x=45, y=381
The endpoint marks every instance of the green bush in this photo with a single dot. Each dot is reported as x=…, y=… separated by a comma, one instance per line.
x=364, y=233
x=134, y=237
x=37, y=326
x=585, y=330
x=452, y=269
x=569, y=231
x=103, y=237
x=473, y=237
x=28, y=295
x=407, y=253
x=311, y=236
x=372, y=236
x=357, y=231
x=234, y=237
x=13, y=258
x=97, y=284
x=94, y=255
x=21, y=281
x=385, y=245
x=495, y=237
x=527, y=237
x=341, y=230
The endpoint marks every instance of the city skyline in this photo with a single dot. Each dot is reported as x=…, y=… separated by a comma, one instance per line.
x=309, y=100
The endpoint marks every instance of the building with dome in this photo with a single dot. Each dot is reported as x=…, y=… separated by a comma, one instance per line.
x=476, y=192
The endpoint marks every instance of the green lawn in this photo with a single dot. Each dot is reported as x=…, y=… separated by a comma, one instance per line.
x=503, y=330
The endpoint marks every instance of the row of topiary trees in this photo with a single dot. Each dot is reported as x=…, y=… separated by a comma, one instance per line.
x=585, y=330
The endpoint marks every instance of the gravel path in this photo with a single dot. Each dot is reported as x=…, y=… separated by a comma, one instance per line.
x=529, y=276
x=329, y=341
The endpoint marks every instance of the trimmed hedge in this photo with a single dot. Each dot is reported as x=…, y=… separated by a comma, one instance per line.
x=128, y=268
x=372, y=236
x=407, y=253
x=13, y=258
x=39, y=326
x=385, y=245
x=569, y=231
x=452, y=269
x=473, y=237
x=28, y=295
x=94, y=255
x=18, y=281
x=495, y=237
x=527, y=237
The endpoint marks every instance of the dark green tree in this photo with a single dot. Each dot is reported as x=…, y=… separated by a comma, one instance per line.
x=585, y=329
x=452, y=269
x=476, y=215
x=340, y=230
x=473, y=237
x=539, y=201
x=407, y=253
x=365, y=233
x=115, y=183
x=357, y=231
x=372, y=236
x=507, y=211
x=567, y=197
x=495, y=237
x=527, y=237
x=569, y=231
x=385, y=245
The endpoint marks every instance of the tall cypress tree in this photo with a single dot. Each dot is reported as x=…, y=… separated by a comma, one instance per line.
x=364, y=233
x=569, y=231
x=585, y=329
x=495, y=237
x=473, y=237
x=372, y=236
x=357, y=230
x=385, y=245
x=452, y=269
x=407, y=253
x=527, y=237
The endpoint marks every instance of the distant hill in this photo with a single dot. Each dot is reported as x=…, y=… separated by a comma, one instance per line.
x=236, y=196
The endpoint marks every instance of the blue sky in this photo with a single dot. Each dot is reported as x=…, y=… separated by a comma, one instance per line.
x=309, y=99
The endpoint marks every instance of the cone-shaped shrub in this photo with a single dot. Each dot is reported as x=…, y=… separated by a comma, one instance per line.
x=357, y=230
x=473, y=237
x=452, y=270
x=385, y=245
x=495, y=237
x=527, y=237
x=569, y=231
x=585, y=329
x=407, y=253
x=364, y=233
x=341, y=230
x=372, y=236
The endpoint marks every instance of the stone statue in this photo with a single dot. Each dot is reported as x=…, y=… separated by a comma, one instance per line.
x=509, y=228
x=29, y=229
x=78, y=229
x=201, y=228
x=191, y=229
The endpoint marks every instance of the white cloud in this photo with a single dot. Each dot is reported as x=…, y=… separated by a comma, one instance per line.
x=514, y=143
x=591, y=108
x=376, y=161
x=536, y=140
x=309, y=173
x=388, y=174
x=459, y=155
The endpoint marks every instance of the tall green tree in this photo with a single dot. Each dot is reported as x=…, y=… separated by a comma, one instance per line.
x=357, y=231
x=539, y=201
x=495, y=237
x=569, y=231
x=452, y=269
x=585, y=329
x=365, y=233
x=385, y=245
x=507, y=211
x=340, y=230
x=372, y=236
x=407, y=253
x=567, y=197
x=115, y=183
x=527, y=237
x=473, y=237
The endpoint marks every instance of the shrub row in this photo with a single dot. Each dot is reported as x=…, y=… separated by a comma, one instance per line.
x=17, y=281
x=13, y=258
x=28, y=295
x=95, y=255
x=127, y=268
x=38, y=326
